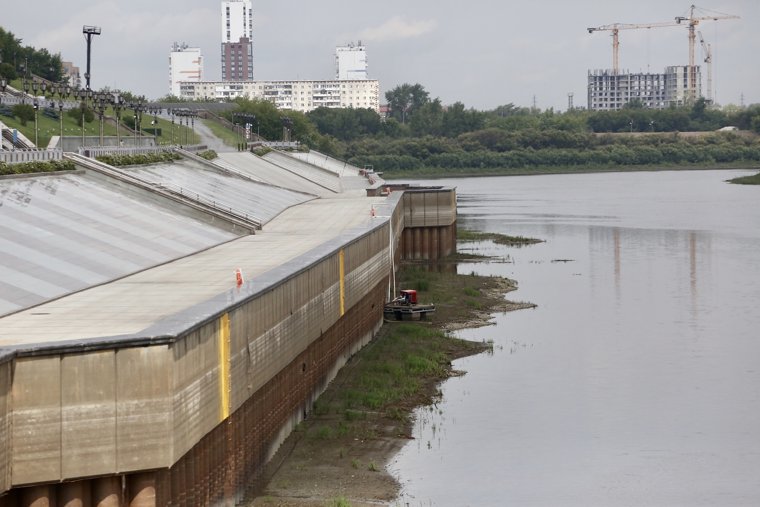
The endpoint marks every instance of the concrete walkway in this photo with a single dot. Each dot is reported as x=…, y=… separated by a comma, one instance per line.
x=137, y=302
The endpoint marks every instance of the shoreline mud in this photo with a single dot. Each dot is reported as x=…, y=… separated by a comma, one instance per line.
x=339, y=456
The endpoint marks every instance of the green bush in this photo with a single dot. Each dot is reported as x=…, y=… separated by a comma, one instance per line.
x=208, y=154
x=138, y=159
x=36, y=167
x=76, y=114
x=261, y=151
x=24, y=113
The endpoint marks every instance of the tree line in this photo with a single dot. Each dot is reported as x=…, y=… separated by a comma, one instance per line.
x=420, y=133
x=18, y=61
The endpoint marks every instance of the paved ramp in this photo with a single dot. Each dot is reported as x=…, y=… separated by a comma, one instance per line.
x=222, y=190
x=262, y=170
x=326, y=179
x=63, y=233
x=326, y=162
x=350, y=178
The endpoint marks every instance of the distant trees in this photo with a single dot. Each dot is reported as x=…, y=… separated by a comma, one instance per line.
x=85, y=113
x=15, y=59
x=24, y=113
x=405, y=100
x=346, y=124
x=270, y=121
x=474, y=151
x=422, y=133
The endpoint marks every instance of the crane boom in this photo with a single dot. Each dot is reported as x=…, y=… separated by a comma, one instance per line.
x=615, y=29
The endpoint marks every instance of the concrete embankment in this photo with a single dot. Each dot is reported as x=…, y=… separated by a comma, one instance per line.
x=173, y=385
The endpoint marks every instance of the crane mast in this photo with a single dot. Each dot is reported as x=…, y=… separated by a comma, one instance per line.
x=693, y=20
x=708, y=60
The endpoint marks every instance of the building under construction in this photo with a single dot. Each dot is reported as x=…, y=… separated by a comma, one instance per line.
x=679, y=85
x=609, y=90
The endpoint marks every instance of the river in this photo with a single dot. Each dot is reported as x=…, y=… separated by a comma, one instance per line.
x=636, y=380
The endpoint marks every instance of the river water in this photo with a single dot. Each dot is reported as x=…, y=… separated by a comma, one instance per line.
x=636, y=380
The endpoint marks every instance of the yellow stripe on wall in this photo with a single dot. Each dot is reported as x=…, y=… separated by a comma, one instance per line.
x=224, y=367
x=342, y=282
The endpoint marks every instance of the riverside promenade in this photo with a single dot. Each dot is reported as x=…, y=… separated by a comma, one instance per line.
x=163, y=328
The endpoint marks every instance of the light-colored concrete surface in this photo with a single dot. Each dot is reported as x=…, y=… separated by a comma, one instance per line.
x=263, y=170
x=61, y=233
x=317, y=175
x=209, y=139
x=136, y=302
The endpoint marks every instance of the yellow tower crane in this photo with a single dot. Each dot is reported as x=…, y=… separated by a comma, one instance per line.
x=708, y=60
x=693, y=21
x=615, y=29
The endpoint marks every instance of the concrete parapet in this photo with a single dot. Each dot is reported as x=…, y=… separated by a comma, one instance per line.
x=23, y=156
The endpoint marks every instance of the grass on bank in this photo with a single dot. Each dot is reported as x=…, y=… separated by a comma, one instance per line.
x=47, y=127
x=436, y=172
x=227, y=136
x=747, y=180
x=388, y=378
x=500, y=239
x=401, y=367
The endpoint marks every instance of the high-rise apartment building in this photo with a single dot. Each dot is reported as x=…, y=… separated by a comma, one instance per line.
x=237, y=40
x=351, y=62
x=185, y=64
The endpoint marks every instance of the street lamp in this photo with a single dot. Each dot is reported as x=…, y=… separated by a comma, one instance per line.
x=89, y=32
x=60, y=116
x=36, y=109
x=237, y=129
x=63, y=91
x=155, y=111
x=138, y=107
x=118, y=104
x=81, y=95
x=3, y=84
x=101, y=108
x=170, y=112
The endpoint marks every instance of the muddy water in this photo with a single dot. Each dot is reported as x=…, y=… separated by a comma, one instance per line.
x=636, y=381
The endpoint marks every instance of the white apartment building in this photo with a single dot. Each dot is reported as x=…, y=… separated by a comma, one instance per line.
x=301, y=96
x=610, y=91
x=185, y=64
x=351, y=62
x=237, y=40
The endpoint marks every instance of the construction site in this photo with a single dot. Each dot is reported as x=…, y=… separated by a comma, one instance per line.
x=678, y=85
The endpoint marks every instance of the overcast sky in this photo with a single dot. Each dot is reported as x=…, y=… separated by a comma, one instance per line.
x=481, y=52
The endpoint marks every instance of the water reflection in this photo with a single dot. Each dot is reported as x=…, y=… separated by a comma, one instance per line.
x=635, y=381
